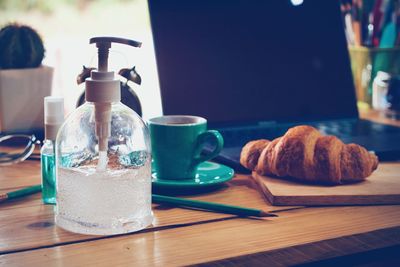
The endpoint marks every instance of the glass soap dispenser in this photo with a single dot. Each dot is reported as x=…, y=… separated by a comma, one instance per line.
x=103, y=159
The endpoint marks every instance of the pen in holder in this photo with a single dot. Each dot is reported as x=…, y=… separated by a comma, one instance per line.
x=365, y=64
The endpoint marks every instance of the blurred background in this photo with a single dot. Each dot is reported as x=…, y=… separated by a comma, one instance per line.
x=66, y=27
x=371, y=26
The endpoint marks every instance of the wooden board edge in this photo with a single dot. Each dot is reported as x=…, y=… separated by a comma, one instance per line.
x=321, y=200
x=270, y=197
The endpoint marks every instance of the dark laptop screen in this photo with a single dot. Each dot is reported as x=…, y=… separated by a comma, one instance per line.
x=252, y=60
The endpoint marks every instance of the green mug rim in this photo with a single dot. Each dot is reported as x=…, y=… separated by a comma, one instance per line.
x=197, y=120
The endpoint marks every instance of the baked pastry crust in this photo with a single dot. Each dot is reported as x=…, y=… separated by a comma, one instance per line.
x=304, y=154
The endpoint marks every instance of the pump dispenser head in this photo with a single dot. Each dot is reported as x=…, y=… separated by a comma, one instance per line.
x=102, y=88
x=104, y=44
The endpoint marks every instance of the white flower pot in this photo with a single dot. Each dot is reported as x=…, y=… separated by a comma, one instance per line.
x=21, y=98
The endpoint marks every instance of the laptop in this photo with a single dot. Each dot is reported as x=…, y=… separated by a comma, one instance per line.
x=255, y=68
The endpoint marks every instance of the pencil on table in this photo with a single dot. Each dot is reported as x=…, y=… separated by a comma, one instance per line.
x=235, y=210
x=21, y=193
x=182, y=202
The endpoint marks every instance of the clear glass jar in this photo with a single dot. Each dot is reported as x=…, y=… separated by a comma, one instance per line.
x=116, y=200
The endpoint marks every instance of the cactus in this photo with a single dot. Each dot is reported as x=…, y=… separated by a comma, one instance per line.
x=20, y=47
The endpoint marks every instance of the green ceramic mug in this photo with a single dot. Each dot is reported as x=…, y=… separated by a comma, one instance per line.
x=177, y=142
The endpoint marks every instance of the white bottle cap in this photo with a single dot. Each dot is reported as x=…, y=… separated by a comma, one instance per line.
x=53, y=115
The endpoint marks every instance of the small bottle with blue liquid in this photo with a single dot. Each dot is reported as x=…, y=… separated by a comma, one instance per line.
x=53, y=118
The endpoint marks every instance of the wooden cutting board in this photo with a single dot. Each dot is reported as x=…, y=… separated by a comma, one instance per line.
x=382, y=187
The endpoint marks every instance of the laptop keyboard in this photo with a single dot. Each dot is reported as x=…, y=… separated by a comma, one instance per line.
x=339, y=128
x=355, y=128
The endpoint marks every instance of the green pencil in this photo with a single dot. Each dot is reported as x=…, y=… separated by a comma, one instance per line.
x=241, y=211
x=182, y=202
x=21, y=193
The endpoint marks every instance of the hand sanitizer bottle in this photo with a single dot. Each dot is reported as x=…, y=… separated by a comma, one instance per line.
x=103, y=159
x=53, y=118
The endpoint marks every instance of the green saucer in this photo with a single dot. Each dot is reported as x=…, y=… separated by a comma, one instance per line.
x=208, y=174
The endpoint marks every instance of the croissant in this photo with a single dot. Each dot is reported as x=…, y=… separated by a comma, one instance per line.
x=306, y=155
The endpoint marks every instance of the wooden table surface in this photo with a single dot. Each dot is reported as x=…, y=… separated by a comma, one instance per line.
x=29, y=237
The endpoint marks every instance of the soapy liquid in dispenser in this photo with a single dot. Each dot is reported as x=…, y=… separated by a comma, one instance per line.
x=106, y=201
x=109, y=194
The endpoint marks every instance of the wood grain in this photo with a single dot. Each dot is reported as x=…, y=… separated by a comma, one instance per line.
x=27, y=223
x=382, y=187
x=19, y=175
x=226, y=239
x=341, y=251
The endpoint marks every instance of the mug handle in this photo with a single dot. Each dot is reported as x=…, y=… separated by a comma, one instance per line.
x=201, y=139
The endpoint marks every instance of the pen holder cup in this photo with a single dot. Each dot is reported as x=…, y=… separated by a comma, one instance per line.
x=365, y=64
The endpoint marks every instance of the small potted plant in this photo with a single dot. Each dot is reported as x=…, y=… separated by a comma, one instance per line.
x=24, y=81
